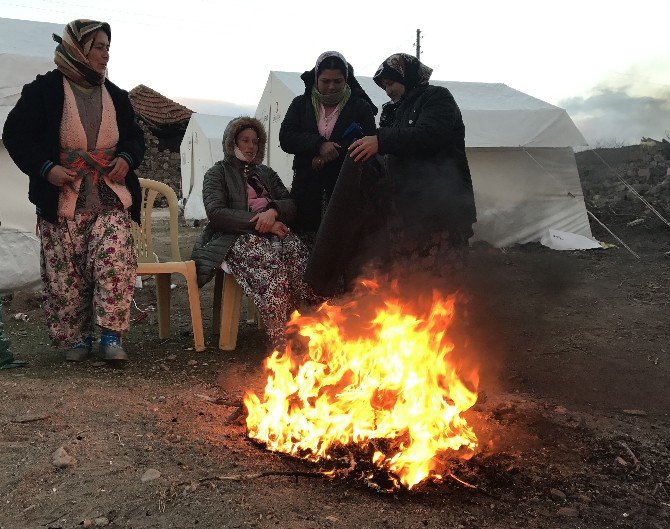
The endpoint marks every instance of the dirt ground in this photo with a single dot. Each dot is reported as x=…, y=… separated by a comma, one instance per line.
x=573, y=415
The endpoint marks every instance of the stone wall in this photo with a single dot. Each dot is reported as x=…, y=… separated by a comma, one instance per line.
x=160, y=164
x=645, y=167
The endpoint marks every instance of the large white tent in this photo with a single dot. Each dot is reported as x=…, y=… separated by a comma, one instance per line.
x=519, y=148
x=200, y=149
x=26, y=50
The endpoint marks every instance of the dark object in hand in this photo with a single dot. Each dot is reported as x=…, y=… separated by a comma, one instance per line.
x=354, y=132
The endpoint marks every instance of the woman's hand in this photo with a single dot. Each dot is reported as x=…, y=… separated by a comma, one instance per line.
x=60, y=176
x=119, y=170
x=280, y=229
x=264, y=220
x=329, y=151
x=364, y=149
x=318, y=163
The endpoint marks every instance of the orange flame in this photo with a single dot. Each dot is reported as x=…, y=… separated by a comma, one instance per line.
x=392, y=378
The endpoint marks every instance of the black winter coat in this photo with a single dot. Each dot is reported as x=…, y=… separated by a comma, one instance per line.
x=224, y=193
x=427, y=164
x=32, y=137
x=299, y=135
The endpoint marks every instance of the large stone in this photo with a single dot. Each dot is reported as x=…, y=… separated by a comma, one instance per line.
x=568, y=512
x=61, y=459
x=150, y=475
x=558, y=495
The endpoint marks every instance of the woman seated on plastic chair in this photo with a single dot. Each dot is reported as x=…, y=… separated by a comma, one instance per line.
x=249, y=211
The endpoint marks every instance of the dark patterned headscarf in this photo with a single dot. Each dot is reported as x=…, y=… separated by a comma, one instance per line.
x=71, y=56
x=405, y=69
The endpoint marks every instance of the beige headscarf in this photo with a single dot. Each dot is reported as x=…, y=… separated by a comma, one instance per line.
x=71, y=55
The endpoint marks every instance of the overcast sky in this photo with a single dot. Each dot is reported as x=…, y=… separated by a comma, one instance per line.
x=606, y=62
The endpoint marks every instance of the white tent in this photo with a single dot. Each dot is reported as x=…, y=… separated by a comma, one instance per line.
x=200, y=149
x=26, y=50
x=519, y=148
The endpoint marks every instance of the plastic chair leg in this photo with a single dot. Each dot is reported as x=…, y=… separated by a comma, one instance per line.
x=230, y=313
x=216, y=302
x=194, y=305
x=252, y=314
x=163, y=298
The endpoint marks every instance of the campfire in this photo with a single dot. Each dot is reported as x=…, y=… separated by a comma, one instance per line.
x=372, y=380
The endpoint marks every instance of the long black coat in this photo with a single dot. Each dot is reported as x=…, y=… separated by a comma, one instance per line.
x=425, y=175
x=299, y=135
x=427, y=164
x=32, y=137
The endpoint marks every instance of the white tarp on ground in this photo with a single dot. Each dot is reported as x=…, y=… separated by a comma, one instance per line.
x=563, y=240
x=200, y=149
x=26, y=50
x=519, y=148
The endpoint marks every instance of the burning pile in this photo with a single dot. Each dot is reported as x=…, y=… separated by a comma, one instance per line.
x=375, y=373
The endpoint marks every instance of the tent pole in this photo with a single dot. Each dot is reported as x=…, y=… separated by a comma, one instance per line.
x=267, y=146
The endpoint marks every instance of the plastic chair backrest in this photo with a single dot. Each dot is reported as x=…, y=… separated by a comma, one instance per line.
x=142, y=234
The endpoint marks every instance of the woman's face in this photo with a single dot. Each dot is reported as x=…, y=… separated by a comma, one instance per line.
x=247, y=142
x=394, y=89
x=98, y=57
x=330, y=82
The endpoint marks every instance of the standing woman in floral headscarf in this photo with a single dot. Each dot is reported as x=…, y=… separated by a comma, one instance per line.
x=313, y=130
x=73, y=132
x=422, y=134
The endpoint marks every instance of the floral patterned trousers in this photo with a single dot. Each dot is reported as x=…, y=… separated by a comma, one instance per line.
x=270, y=273
x=88, y=268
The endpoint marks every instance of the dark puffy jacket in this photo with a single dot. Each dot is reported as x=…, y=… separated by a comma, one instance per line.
x=299, y=135
x=427, y=164
x=32, y=137
x=224, y=194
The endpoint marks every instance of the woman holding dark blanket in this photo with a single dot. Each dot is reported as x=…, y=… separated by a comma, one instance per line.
x=249, y=211
x=313, y=130
x=422, y=138
x=74, y=134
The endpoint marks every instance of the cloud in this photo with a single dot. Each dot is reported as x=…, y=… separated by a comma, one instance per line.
x=625, y=106
x=218, y=108
x=614, y=114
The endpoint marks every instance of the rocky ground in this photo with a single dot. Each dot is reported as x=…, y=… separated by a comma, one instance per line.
x=573, y=416
x=617, y=181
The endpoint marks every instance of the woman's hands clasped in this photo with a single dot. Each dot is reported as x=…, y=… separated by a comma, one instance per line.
x=328, y=151
x=279, y=229
x=61, y=176
x=266, y=222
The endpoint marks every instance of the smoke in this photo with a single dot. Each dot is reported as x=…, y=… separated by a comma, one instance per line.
x=625, y=107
